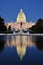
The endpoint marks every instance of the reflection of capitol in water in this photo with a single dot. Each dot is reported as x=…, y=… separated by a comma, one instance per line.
x=20, y=42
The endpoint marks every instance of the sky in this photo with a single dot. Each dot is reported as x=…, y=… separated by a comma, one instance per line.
x=33, y=9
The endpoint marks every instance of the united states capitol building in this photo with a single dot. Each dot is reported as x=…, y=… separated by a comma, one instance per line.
x=20, y=20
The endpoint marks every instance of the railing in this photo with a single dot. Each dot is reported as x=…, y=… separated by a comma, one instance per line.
x=23, y=34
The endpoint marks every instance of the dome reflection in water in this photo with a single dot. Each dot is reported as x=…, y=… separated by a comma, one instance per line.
x=20, y=42
x=21, y=51
x=8, y=44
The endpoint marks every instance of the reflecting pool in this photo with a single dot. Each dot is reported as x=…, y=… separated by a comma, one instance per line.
x=21, y=50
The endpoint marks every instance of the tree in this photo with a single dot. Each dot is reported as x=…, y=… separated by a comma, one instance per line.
x=9, y=28
x=3, y=28
x=38, y=27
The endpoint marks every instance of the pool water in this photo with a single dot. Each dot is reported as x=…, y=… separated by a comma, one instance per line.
x=21, y=50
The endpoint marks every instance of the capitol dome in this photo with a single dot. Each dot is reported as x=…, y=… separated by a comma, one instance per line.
x=21, y=16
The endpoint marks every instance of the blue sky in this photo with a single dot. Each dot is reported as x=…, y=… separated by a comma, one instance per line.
x=33, y=9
